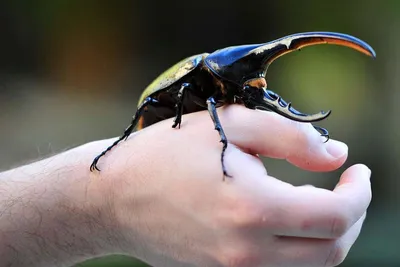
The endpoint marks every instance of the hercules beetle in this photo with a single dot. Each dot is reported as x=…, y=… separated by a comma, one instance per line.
x=230, y=75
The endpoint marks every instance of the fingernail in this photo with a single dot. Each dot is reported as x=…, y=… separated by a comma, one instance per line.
x=336, y=149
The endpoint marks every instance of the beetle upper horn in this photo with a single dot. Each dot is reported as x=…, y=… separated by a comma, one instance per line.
x=272, y=50
x=236, y=63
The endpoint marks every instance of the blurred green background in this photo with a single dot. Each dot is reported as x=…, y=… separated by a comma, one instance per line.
x=72, y=71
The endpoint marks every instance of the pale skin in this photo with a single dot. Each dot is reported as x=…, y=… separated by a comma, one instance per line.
x=160, y=197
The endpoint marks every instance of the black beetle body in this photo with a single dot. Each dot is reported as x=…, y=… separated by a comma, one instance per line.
x=230, y=75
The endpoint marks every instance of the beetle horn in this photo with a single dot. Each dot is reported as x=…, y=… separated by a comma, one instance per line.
x=268, y=52
x=238, y=63
x=274, y=102
x=267, y=100
x=275, y=49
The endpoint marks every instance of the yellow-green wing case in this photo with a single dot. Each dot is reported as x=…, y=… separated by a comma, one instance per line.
x=173, y=74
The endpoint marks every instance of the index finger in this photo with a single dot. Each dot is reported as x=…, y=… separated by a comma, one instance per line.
x=319, y=213
x=272, y=135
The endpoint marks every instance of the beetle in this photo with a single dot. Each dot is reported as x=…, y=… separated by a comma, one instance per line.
x=235, y=74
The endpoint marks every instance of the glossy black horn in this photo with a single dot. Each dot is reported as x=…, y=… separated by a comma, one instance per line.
x=275, y=49
x=236, y=63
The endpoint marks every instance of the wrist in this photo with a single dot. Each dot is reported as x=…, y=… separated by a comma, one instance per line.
x=57, y=211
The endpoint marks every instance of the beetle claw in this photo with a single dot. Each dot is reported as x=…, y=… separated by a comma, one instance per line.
x=226, y=175
x=324, y=132
x=176, y=123
x=93, y=166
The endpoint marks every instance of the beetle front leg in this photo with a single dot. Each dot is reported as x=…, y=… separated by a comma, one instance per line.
x=211, y=105
x=179, y=105
x=148, y=101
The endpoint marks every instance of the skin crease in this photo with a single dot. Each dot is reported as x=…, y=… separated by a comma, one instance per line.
x=160, y=197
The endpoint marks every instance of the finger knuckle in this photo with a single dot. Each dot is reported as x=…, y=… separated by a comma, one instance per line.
x=242, y=212
x=340, y=224
x=336, y=255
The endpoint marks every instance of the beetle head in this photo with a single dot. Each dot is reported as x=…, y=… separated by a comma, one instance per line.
x=247, y=66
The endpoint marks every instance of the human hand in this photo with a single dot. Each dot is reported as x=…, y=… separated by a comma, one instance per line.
x=166, y=193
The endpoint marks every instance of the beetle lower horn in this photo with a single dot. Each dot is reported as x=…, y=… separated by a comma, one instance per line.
x=273, y=102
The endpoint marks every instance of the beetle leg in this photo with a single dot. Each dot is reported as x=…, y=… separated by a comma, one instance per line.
x=211, y=105
x=324, y=132
x=148, y=101
x=179, y=105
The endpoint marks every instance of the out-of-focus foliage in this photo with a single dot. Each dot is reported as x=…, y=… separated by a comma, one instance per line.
x=72, y=72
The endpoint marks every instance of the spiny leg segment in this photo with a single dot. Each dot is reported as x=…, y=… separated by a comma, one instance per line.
x=148, y=101
x=179, y=105
x=211, y=105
